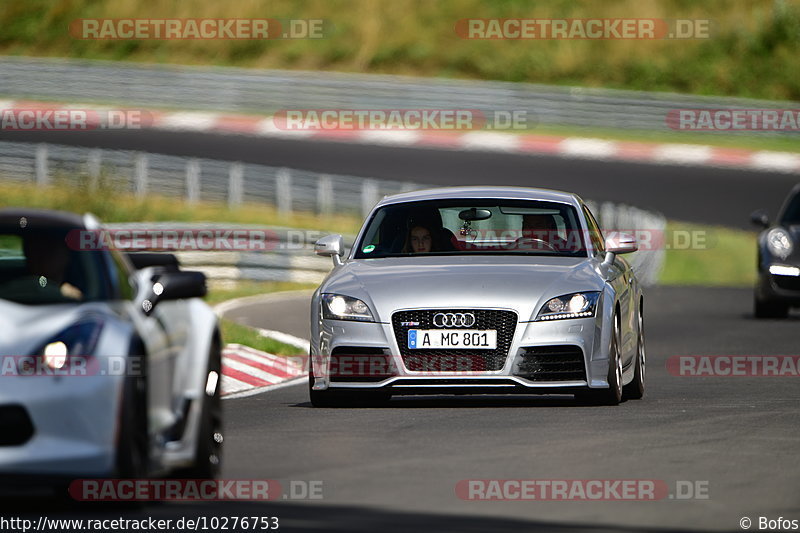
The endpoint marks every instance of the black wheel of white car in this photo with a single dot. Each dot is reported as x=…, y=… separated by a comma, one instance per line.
x=208, y=455
x=635, y=389
x=132, y=455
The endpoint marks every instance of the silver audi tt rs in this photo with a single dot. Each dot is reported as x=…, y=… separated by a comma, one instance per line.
x=478, y=290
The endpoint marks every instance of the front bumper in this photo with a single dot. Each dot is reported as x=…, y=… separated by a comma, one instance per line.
x=340, y=361
x=778, y=288
x=73, y=421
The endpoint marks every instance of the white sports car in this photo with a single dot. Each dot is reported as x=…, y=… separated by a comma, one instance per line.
x=110, y=362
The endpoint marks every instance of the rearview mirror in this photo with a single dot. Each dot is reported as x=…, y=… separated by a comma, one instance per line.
x=468, y=215
x=759, y=217
x=174, y=286
x=331, y=246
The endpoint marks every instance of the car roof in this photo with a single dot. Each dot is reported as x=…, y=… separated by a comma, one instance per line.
x=40, y=218
x=515, y=193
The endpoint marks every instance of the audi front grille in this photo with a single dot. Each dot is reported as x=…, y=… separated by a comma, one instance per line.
x=448, y=360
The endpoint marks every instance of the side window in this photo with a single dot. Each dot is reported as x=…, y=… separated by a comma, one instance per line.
x=598, y=242
x=119, y=271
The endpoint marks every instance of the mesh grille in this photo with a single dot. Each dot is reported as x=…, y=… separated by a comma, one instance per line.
x=552, y=363
x=444, y=360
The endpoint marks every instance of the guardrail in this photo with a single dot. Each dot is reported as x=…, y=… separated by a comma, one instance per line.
x=196, y=179
x=225, y=89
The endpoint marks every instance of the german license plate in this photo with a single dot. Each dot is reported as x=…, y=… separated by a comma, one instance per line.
x=483, y=339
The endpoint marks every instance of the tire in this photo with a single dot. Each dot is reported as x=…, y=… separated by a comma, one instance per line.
x=635, y=389
x=208, y=454
x=766, y=309
x=613, y=394
x=132, y=454
x=331, y=398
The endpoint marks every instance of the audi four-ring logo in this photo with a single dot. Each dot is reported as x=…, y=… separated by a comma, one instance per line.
x=453, y=320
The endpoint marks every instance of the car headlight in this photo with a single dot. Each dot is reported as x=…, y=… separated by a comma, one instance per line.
x=575, y=305
x=339, y=307
x=78, y=339
x=779, y=242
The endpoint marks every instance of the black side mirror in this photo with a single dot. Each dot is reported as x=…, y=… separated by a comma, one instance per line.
x=760, y=218
x=175, y=286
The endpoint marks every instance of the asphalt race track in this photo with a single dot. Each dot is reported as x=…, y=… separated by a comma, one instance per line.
x=693, y=194
x=395, y=468
x=738, y=434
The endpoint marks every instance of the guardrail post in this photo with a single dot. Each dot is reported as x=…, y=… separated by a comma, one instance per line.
x=42, y=172
x=192, y=181
x=369, y=196
x=93, y=165
x=283, y=191
x=140, y=175
x=324, y=195
x=235, y=184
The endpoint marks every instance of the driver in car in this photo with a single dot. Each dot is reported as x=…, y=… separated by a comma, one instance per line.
x=540, y=231
x=46, y=259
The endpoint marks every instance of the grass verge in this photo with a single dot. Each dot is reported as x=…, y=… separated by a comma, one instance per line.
x=244, y=288
x=726, y=257
x=110, y=203
x=239, y=334
x=751, y=49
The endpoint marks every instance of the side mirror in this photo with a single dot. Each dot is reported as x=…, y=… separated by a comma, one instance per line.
x=622, y=243
x=760, y=218
x=331, y=246
x=174, y=286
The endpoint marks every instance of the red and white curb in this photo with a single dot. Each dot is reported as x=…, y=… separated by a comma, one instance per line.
x=247, y=371
x=526, y=143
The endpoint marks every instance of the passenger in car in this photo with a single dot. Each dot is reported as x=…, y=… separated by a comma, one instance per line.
x=419, y=240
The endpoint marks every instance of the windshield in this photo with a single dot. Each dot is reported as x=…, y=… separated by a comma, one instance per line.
x=791, y=215
x=473, y=226
x=38, y=268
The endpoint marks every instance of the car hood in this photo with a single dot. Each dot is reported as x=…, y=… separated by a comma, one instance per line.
x=27, y=328
x=523, y=283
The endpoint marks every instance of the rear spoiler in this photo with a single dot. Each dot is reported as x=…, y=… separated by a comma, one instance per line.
x=142, y=260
